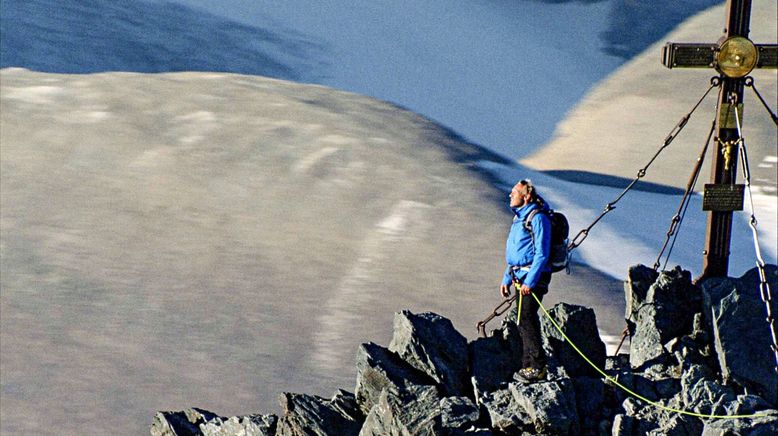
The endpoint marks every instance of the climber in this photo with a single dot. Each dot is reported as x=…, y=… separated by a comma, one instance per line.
x=527, y=253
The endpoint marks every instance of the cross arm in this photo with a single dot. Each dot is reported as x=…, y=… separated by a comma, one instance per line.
x=696, y=55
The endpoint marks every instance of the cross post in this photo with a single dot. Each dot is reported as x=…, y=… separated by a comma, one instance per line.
x=733, y=56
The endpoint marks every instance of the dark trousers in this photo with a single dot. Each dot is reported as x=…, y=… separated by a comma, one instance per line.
x=529, y=326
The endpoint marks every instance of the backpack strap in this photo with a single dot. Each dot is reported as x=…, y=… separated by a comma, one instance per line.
x=528, y=224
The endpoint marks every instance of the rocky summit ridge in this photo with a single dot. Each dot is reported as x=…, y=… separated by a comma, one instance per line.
x=703, y=348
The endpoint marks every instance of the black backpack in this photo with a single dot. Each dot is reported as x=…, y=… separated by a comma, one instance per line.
x=559, y=257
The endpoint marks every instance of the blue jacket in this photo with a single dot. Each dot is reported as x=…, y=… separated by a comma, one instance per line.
x=519, y=249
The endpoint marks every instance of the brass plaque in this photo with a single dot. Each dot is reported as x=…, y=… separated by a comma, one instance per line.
x=688, y=55
x=727, y=116
x=723, y=198
x=768, y=56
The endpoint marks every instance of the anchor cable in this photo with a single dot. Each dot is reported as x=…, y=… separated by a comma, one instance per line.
x=764, y=286
x=677, y=220
x=749, y=82
x=581, y=236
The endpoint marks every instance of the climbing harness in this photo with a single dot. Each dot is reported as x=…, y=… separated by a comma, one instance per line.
x=764, y=286
x=629, y=391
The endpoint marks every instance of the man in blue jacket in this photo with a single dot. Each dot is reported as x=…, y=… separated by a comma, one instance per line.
x=527, y=254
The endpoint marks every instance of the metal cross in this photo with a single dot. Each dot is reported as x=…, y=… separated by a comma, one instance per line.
x=733, y=56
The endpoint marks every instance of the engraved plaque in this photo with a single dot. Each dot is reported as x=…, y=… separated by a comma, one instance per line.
x=723, y=198
x=727, y=116
x=688, y=55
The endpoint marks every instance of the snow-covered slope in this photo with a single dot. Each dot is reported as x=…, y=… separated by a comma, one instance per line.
x=214, y=239
x=500, y=73
x=623, y=121
x=151, y=37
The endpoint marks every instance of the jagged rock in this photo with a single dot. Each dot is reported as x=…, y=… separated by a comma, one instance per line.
x=197, y=422
x=589, y=398
x=379, y=369
x=253, y=425
x=702, y=394
x=763, y=426
x=639, y=280
x=687, y=350
x=505, y=413
x=652, y=420
x=186, y=422
x=623, y=425
x=493, y=361
x=430, y=343
x=550, y=404
x=650, y=386
x=458, y=413
x=666, y=313
x=345, y=403
x=580, y=325
x=742, y=339
x=312, y=415
x=400, y=414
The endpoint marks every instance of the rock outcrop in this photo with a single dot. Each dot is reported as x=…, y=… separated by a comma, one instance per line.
x=735, y=315
x=695, y=348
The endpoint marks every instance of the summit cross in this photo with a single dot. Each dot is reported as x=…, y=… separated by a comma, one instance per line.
x=733, y=56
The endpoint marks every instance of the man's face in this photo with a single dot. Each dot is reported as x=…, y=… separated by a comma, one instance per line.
x=519, y=196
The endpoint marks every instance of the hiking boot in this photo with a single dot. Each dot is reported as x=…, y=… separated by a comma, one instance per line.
x=531, y=375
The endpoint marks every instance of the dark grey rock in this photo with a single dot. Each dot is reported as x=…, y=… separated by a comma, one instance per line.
x=623, y=425
x=252, y=425
x=202, y=422
x=458, y=413
x=678, y=425
x=312, y=415
x=762, y=426
x=379, y=369
x=400, y=414
x=345, y=403
x=702, y=394
x=505, y=413
x=639, y=279
x=430, y=343
x=651, y=387
x=580, y=325
x=687, y=350
x=186, y=422
x=741, y=336
x=666, y=313
x=493, y=361
x=550, y=404
x=652, y=420
x=589, y=398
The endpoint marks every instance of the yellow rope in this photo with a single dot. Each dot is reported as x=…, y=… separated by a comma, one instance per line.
x=653, y=403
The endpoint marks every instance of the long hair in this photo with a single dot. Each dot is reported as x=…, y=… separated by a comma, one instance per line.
x=534, y=197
